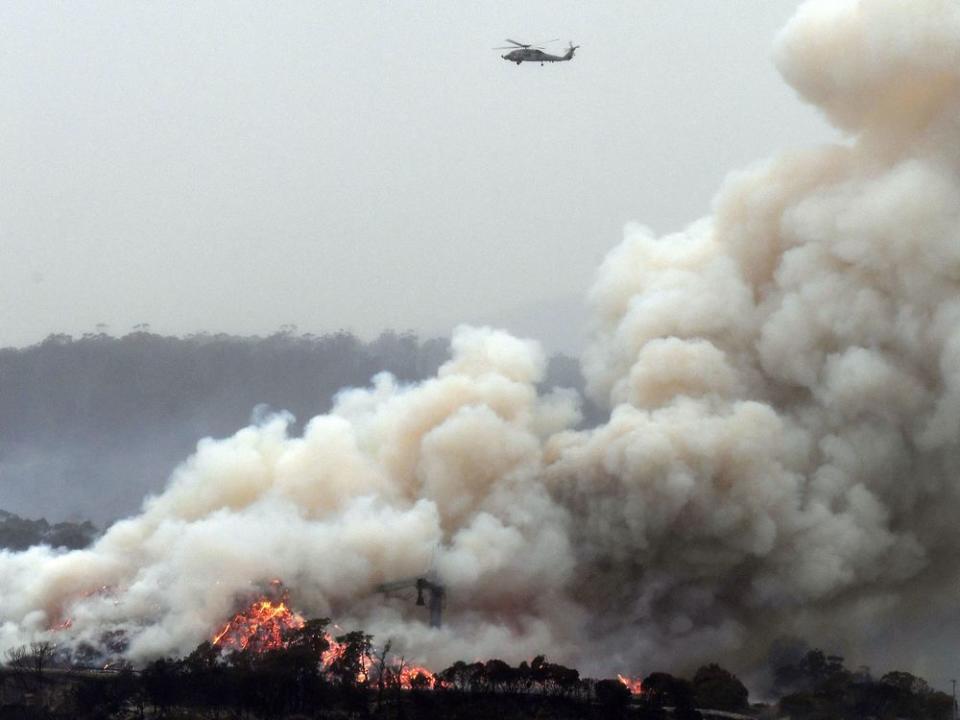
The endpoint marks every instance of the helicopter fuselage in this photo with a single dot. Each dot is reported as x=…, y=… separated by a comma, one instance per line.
x=522, y=55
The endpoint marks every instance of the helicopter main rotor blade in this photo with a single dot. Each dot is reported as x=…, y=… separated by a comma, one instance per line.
x=535, y=45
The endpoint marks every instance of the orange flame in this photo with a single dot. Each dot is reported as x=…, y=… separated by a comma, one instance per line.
x=413, y=676
x=634, y=685
x=263, y=625
x=333, y=652
x=407, y=676
x=260, y=627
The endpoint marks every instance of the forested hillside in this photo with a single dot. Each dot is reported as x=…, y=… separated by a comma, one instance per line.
x=17, y=533
x=88, y=426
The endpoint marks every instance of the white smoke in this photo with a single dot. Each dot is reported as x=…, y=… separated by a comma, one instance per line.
x=781, y=455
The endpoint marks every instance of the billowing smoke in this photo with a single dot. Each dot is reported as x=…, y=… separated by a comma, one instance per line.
x=781, y=454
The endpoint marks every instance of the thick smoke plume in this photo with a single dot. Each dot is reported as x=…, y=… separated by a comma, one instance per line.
x=781, y=455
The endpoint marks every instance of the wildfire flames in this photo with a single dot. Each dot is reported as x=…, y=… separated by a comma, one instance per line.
x=409, y=676
x=264, y=625
x=260, y=627
x=415, y=676
x=634, y=685
x=332, y=653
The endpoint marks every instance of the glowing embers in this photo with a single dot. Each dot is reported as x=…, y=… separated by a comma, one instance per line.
x=260, y=627
x=634, y=685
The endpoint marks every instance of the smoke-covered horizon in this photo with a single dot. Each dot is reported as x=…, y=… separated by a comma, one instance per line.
x=780, y=458
x=92, y=425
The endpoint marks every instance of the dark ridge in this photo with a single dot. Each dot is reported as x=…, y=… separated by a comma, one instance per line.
x=17, y=533
x=91, y=425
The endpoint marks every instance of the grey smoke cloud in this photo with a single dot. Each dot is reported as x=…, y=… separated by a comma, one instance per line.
x=781, y=454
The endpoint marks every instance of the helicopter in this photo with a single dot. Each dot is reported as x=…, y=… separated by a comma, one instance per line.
x=529, y=52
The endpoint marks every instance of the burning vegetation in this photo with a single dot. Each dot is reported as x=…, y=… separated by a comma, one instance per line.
x=262, y=626
x=309, y=673
x=269, y=624
x=269, y=660
x=634, y=685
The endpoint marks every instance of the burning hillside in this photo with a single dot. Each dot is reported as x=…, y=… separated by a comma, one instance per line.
x=781, y=454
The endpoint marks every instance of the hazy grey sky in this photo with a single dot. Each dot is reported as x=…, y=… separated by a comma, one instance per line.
x=238, y=166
